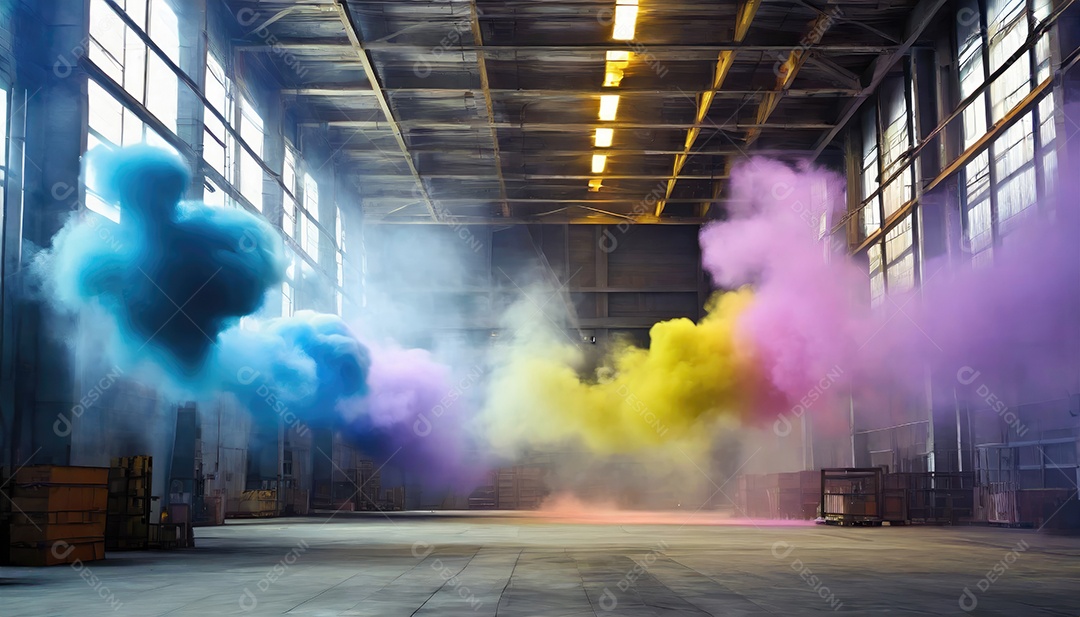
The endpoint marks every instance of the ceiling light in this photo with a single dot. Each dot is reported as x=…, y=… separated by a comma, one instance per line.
x=613, y=75
x=617, y=61
x=625, y=19
x=599, y=161
x=604, y=137
x=609, y=106
x=595, y=185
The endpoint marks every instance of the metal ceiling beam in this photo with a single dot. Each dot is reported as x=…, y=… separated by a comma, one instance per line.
x=595, y=219
x=747, y=11
x=527, y=177
x=564, y=126
x=373, y=79
x=337, y=45
x=921, y=17
x=329, y=91
x=629, y=200
x=583, y=151
x=834, y=70
x=786, y=75
x=787, y=72
x=485, y=84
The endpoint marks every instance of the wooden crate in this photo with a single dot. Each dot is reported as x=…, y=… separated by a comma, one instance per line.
x=53, y=498
x=33, y=533
x=60, y=475
x=51, y=554
x=258, y=503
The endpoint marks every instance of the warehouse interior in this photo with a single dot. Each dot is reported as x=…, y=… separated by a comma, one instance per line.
x=539, y=307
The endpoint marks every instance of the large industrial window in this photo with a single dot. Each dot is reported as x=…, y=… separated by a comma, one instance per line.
x=900, y=257
x=310, y=239
x=288, y=289
x=288, y=200
x=219, y=147
x=121, y=53
x=111, y=125
x=877, y=275
x=221, y=150
x=1001, y=184
x=895, y=136
x=251, y=172
x=4, y=94
x=870, y=172
x=888, y=182
x=339, y=239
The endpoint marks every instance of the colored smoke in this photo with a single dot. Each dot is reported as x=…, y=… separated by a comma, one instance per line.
x=799, y=332
x=690, y=377
x=176, y=286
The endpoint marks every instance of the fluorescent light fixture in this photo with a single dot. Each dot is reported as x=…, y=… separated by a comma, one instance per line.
x=612, y=75
x=625, y=20
x=599, y=161
x=609, y=106
x=604, y=137
x=617, y=61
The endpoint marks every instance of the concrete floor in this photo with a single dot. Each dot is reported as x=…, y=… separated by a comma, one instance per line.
x=515, y=566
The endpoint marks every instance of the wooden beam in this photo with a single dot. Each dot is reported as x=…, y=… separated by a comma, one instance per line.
x=373, y=79
x=922, y=16
x=478, y=39
x=787, y=71
x=747, y=11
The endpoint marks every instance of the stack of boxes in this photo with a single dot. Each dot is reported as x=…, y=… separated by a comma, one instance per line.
x=521, y=487
x=395, y=498
x=370, y=486
x=128, y=523
x=258, y=503
x=57, y=514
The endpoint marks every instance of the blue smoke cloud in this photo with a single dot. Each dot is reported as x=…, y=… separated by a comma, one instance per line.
x=171, y=283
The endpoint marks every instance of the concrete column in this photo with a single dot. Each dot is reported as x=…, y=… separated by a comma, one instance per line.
x=39, y=385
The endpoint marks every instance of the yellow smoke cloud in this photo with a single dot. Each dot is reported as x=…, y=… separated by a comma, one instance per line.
x=690, y=377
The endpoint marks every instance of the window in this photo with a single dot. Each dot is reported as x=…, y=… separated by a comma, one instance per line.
x=126, y=60
x=895, y=144
x=219, y=147
x=870, y=173
x=310, y=242
x=221, y=150
x=251, y=172
x=1007, y=28
x=288, y=287
x=887, y=141
x=339, y=238
x=3, y=146
x=900, y=257
x=286, y=299
x=121, y=54
x=1002, y=183
x=877, y=275
x=112, y=125
x=288, y=201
